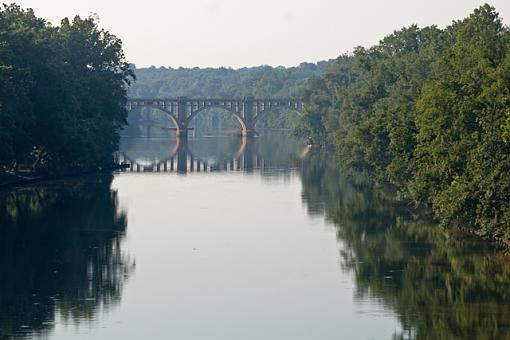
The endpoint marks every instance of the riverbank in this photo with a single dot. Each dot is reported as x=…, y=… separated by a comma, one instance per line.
x=12, y=180
x=497, y=240
x=392, y=193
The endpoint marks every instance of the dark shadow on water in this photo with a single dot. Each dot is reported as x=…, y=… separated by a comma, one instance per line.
x=441, y=285
x=60, y=255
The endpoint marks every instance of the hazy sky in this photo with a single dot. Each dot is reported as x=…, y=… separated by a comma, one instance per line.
x=239, y=33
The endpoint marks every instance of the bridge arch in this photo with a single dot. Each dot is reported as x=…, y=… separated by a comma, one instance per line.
x=238, y=118
x=173, y=118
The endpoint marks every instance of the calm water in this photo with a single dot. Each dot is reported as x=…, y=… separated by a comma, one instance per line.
x=221, y=239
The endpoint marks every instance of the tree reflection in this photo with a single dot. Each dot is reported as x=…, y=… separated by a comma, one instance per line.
x=60, y=255
x=440, y=284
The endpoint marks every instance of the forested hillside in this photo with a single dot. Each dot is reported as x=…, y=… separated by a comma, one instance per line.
x=258, y=82
x=427, y=109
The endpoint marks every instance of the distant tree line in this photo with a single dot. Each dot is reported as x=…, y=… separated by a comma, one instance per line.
x=62, y=92
x=257, y=82
x=427, y=110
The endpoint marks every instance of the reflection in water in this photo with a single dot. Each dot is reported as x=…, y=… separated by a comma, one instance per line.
x=60, y=255
x=62, y=260
x=442, y=286
x=208, y=154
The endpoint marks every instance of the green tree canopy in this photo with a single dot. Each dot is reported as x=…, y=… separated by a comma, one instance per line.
x=428, y=111
x=63, y=91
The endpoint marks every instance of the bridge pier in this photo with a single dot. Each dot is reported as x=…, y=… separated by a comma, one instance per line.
x=182, y=156
x=248, y=156
x=181, y=133
x=249, y=132
x=182, y=116
x=248, y=115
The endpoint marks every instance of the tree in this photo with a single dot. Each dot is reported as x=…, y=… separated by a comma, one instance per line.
x=427, y=110
x=63, y=92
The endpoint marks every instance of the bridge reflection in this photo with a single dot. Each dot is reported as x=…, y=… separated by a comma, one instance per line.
x=182, y=160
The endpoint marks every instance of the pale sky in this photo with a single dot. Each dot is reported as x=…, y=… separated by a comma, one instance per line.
x=238, y=33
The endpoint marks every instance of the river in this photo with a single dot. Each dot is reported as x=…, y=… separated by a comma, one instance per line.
x=223, y=238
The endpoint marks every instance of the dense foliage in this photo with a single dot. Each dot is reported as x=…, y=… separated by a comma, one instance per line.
x=426, y=110
x=62, y=92
x=257, y=82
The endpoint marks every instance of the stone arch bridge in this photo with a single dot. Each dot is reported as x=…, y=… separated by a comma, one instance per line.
x=247, y=111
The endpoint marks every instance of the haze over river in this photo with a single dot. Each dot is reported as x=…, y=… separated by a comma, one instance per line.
x=226, y=239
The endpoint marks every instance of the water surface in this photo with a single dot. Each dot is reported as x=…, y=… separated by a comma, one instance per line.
x=221, y=238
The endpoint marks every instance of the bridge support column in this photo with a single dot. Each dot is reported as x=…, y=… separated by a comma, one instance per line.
x=249, y=132
x=182, y=156
x=182, y=132
x=248, y=115
x=248, y=157
x=182, y=115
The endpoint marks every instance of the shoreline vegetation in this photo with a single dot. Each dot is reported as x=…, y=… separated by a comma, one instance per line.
x=63, y=91
x=427, y=110
x=15, y=180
